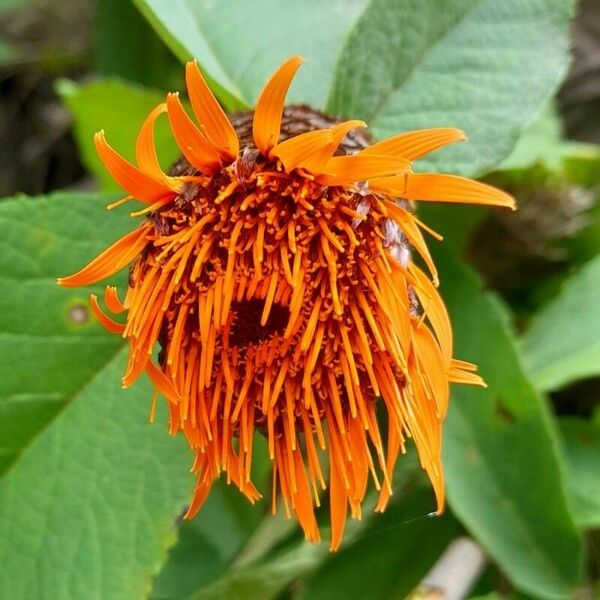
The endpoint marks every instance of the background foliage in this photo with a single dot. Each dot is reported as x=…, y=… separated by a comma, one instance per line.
x=91, y=493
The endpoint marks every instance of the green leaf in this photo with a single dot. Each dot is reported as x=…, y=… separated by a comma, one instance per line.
x=267, y=580
x=562, y=343
x=120, y=109
x=208, y=544
x=90, y=500
x=481, y=65
x=503, y=474
x=581, y=443
x=542, y=143
x=43, y=326
x=389, y=557
x=89, y=510
x=126, y=46
x=239, y=44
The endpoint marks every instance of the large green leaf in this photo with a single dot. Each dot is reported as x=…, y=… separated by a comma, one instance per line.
x=542, y=143
x=239, y=44
x=89, y=510
x=581, y=443
x=264, y=581
x=120, y=109
x=503, y=472
x=89, y=502
x=126, y=46
x=563, y=342
x=389, y=557
x=51, y=346
x=208, y=544
x=482, y=65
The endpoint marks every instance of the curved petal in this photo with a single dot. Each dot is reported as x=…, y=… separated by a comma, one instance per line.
x=414, y=144
x=113, y=259
x=434, y=308
x=134, y=181
x=193, y=144
x=312, y=150
x=304, y=149
x=162, y=383
x=112, y=300
x=209, y=113
x=145, y=150
x=343, y=170
x=269, y=107
x=340, y=130
x=436, y=187
x=104, y=320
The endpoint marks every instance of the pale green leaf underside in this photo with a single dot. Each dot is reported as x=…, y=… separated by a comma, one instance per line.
x=481, y=65
x=556, y=354
x=239, y=44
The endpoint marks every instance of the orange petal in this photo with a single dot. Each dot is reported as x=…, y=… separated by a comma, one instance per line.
x=437, y=187
x=435, y=309
x=104, y=320
x=337, y=504
x=343, y=170
x=112, y=300
x=191, y=141
x=113, y=259
x=269, y=107
x=414, y=144
x=409, y=228
x=145, y=150
x=209, y=113
x=201, y=492
x=431, y=368
x=134, y=181
x=312, y=150
x=162, y=383
x=303, y=149
x=340, y=130
x=462, y=372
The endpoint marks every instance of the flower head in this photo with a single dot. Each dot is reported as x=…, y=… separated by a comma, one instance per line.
x=275, y=273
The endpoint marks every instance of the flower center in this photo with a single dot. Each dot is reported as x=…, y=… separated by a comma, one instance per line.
x=246, y=328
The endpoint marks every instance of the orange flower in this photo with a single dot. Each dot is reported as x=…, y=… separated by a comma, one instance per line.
x=277, y=279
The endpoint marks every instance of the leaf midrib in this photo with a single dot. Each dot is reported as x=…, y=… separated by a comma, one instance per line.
x=377, y=112
x=68, y=400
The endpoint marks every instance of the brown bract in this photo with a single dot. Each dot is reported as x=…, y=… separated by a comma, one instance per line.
x=277, y=278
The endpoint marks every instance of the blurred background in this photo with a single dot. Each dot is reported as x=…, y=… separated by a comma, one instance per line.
x=53, y=53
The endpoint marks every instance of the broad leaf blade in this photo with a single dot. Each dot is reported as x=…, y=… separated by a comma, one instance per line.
x=481, y=65
x=265, y=581
x=581, y=443
x=126, y=46
x=51, y=344
x=503, y=473
x=89, y=511
x=556, y=354
x=389, y=557
x=89, y=503
x=239, y=44
x=209, y=543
